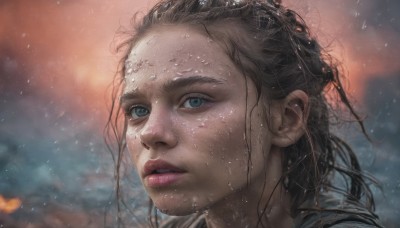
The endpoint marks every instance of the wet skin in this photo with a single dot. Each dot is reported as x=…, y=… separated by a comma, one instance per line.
x=187, y=111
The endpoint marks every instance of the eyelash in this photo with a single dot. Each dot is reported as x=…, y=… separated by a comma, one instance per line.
x=204, y=100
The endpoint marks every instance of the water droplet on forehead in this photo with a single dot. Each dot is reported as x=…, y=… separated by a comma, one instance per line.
x=129, y=71
x=128, y=63
x=153, y=77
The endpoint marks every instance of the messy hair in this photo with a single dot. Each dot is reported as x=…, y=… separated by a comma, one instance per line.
x=277, y=52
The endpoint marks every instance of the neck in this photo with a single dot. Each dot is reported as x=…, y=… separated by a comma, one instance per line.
x=245, y=214
x=264, y=203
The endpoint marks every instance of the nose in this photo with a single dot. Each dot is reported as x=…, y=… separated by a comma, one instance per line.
x=158, y=131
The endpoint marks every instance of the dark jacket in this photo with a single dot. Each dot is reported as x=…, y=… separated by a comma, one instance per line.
x=329, y=213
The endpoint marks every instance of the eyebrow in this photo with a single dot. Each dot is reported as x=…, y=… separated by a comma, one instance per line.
x=174, y=84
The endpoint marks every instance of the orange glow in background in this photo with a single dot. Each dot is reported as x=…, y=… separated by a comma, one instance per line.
x=9, y=205
x=61, y=58
x=66, y=45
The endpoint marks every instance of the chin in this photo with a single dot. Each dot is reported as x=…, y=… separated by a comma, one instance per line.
x=176, y=207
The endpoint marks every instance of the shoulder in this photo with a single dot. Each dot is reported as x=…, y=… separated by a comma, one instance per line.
x=190, y=221
x=333, y=213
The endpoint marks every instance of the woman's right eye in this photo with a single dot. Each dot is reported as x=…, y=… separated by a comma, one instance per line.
x=137, y=112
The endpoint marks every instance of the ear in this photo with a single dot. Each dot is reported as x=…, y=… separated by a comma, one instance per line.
x=289, y=118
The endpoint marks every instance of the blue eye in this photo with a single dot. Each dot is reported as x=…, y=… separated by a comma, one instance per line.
x=138, y=112
x=193, y=102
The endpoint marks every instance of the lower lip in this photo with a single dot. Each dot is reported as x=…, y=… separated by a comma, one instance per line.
x=162, y=179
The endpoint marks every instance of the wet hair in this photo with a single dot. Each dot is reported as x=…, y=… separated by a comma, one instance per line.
x=272, y=46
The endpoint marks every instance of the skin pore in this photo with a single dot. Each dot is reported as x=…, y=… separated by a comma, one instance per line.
x=190, y=107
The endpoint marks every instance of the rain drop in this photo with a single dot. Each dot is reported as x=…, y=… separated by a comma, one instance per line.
x=364, y=25
x=129, y=71
x=230, y=186
x=153, y=77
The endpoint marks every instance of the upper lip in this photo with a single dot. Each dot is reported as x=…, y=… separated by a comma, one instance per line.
x=153, y=165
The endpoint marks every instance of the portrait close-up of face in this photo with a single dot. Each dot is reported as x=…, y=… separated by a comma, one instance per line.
x=199, y=113
x=189, y=114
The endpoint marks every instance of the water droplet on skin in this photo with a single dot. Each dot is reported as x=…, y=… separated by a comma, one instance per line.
x=230, y=186
x=176, y=78
x=28, y=81
x=386, y=44
x=194, y=205
x=153, y=77
x=364, y=25
x=129, y=71
x=128, y=64
x=132, y=80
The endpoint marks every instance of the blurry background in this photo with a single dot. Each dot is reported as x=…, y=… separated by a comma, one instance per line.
x=56, y=61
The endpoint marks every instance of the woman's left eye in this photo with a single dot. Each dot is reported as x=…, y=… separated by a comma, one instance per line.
x=194, y=102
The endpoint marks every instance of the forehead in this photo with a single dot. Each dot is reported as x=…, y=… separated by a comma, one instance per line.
x=169, y=52
x=172, y=41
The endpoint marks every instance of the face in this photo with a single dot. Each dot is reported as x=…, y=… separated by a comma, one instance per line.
x=189, y=121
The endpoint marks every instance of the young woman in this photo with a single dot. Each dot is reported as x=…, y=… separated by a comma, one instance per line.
x=227, y=122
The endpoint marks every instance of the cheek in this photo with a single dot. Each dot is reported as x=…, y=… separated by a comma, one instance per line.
x=223, y=146
x=133, y=144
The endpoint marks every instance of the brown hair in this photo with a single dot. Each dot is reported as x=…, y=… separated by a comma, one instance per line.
x=277, y=52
